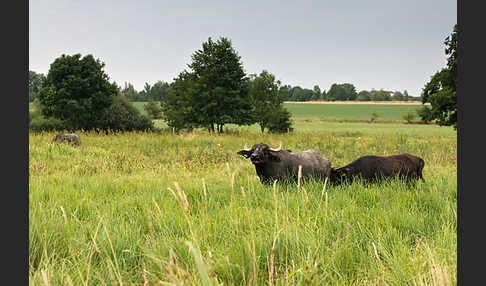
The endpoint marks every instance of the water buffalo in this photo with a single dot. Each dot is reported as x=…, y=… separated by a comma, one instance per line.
x=374, y=168
x=70, y=138
x=272, y=164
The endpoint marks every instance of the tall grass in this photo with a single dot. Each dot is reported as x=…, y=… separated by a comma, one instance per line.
x=167, y=209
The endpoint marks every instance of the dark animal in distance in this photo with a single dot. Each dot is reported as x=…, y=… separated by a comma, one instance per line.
x=277, y=164
x=71, y=138
x=374, y=168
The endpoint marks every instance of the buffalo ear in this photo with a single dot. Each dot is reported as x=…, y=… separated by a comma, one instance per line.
x=245, y=153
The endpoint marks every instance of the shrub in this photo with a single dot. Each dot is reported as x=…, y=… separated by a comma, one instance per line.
x=374, y=116
x=123, y=116
x=409, y=116
x=38, y=123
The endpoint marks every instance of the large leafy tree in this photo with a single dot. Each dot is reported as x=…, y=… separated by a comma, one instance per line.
x=77, y=90
x=342, y=92
x=266, y=97
x=215, y=90
x=440, y=91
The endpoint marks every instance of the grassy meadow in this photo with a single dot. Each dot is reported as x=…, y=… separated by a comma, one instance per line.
x=184, y=209
x=342, y=112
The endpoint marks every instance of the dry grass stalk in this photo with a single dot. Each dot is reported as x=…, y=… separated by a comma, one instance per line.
x=306, y=196
x=182, y=197
x=271, y=267
x=275, y=191
x=100, y=278
x=68, y=280
x=324, y=187
x=170, y=267
x=144, y=274
x=233, y=181
x=157, y=207
x=228, y=169
x=151, y=230
x=64, y=215
x=173, y=193
x=374, y=249
x=204, y=188
x=299, y=177
x=325, y=202
x=243, y=191
x=44, y=277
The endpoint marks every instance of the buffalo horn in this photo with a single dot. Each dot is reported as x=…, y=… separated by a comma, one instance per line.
x=278, y=149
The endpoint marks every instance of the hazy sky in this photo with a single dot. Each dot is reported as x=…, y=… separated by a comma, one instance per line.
x=389, y=44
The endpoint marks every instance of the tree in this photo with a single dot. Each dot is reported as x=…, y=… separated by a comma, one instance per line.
x=397, y=96
x=279, y=121
x=317, y=93
x=214, y=90
x=180, y=108
x=342, y=92
x=363, y=95
x=379, y=95
x=36, y=80
x=77, y=90
x=406, y=97
x=129, y=92
x=425, y=114
x=323, y=96
x=266, y=99
x=440, y=91
x=153, y=109
x=159, y=91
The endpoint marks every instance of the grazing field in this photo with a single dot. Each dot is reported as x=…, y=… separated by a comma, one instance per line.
x=342, y=112
x=148, y=208
x=350, y=111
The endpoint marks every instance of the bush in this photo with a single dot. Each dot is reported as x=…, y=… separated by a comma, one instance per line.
x=123, y=116
x=279, y=121
x=374, y=116
x=409, y=116
x=38, y=123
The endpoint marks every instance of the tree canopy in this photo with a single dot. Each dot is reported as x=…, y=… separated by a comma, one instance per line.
x=214, y=92
x=342, y=92
x=77, y=90
x=440, y=91
x=266, y=97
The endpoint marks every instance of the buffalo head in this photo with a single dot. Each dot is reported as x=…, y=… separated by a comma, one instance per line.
x=338, y=175
x=260, y=153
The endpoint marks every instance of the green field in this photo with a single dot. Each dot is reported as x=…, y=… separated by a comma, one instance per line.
x=103, y=213
x=329, y=112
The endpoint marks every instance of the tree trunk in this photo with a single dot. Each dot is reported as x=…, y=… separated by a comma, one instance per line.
x=212, y=128
x=262, y=127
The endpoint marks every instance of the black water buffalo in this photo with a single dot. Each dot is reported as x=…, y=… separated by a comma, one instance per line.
x=70, y=138
x=374, y=168
x=272, y=164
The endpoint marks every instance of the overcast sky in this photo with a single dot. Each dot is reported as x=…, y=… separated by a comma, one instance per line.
x=374, y=44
